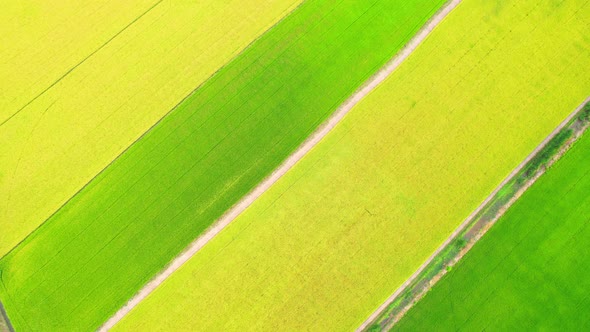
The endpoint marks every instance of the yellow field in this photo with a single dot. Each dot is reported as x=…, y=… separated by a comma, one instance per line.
x=41, y=40
x=66, y=136
x=355, y=218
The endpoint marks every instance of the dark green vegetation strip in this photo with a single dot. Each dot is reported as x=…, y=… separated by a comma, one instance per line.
x=98, y=250
x=530, y=271
x=478, y=225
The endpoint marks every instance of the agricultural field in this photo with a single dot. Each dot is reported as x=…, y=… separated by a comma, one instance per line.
x=104, y=244
x=60, y=140
x=41, y=41
x=482, y=219
x=334, y=237
x=529, y=272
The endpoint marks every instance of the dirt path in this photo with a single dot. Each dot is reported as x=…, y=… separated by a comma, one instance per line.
x=469, y=219
x=314, y=139
x=4, y=322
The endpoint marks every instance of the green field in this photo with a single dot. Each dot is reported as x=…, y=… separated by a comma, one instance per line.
x=61, y=140
x=331, y=240
x=530, y=271
x=138, y=214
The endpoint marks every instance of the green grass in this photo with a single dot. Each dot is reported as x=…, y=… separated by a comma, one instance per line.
x=545, y=155
x=90, y=257
x=529, y=272
x=345, y=227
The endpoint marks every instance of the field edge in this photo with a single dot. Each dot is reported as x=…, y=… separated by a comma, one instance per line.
x=316, y=136
x=475, y=226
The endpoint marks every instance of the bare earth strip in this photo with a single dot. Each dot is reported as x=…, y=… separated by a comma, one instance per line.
x=314, y=139
x=5, y=325
x=469, y=220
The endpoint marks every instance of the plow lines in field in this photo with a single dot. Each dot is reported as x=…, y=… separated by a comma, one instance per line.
x=182, y=175
x=42, y=42
x=335, y=236
x=75, y=127
x=285, y=166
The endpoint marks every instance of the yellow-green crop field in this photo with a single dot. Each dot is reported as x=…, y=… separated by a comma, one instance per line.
x=52, y=147
x=98, y=250
x=41, y=41
x=530, y=269
x=128, y=128
x=333, y=238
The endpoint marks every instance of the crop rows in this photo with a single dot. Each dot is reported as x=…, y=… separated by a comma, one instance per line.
x=60, y=140
x=182, y=175
x=127, y=130
x=333, y=238
x=529, y=271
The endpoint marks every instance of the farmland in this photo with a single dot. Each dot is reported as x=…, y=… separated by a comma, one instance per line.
x=481, y=220
x=40, y=41
x=529, y=272
x=63, y=138
x=222, y=140
x=333, y=238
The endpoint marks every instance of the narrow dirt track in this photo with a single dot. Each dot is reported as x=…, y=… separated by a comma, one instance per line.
x=468, y=220
x=5, y=325
x=314, y=139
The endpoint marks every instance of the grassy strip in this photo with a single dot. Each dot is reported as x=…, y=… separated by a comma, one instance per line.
x=482, y=221
x=529, y=272
x=99, y=249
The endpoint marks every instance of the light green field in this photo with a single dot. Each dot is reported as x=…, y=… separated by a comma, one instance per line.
x=530, y=271
x=40, y=41
x=327, y=244
x=96, y=252
x=65, y=137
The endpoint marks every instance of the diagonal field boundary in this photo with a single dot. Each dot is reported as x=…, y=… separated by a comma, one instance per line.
x=303, y=149
x=373, y=318
x=5, y=325
x=79, y=63
x=144, y=134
